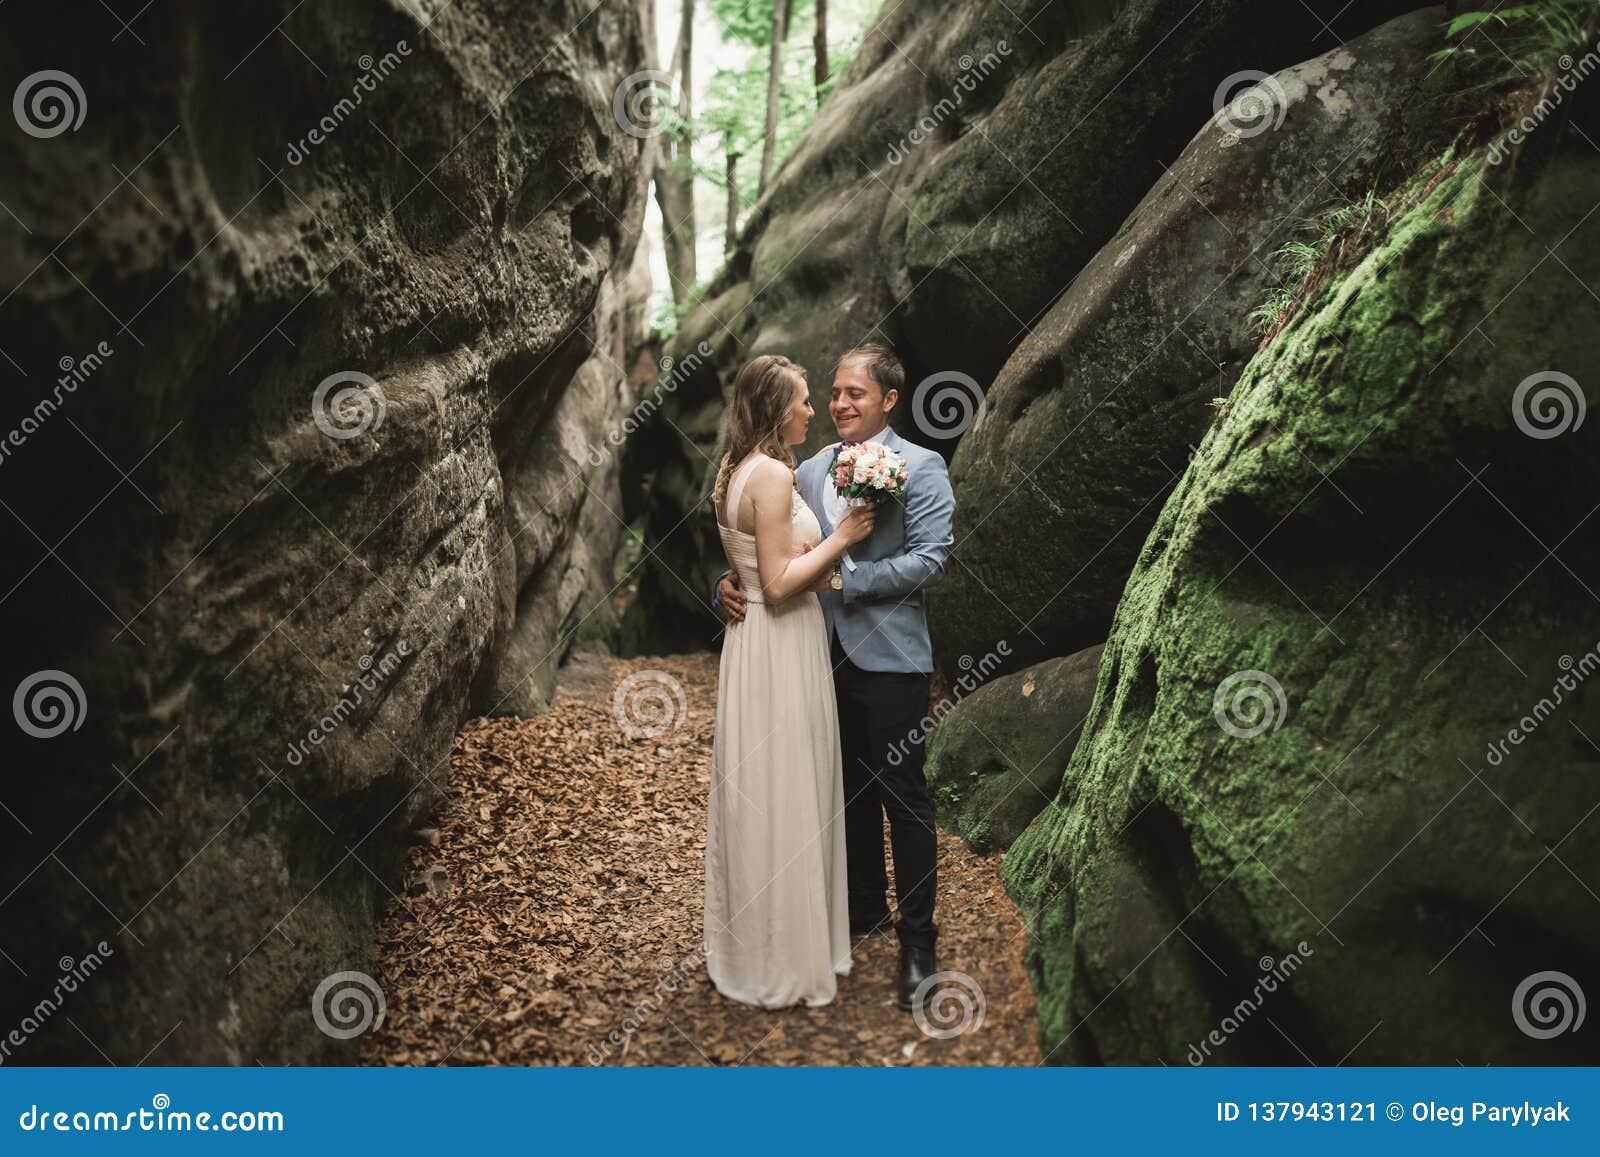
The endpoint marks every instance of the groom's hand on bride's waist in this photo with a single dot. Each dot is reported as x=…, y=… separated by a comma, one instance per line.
x=731, y=596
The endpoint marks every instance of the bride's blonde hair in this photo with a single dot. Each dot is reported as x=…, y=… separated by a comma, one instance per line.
x=763, y=393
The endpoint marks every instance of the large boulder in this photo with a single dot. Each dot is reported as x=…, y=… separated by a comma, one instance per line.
x=971, y=162
x=1092, y=420
x=996, y=758
x=1337, y=800
x=312, y=322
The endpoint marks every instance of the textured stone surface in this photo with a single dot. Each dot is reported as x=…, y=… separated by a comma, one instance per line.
x=463, y=236
x=947, y=227
x=996, y=759
x=1369, y=527
x=1092, y=420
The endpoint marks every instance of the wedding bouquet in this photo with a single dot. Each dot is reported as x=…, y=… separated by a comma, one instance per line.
x=869, y=473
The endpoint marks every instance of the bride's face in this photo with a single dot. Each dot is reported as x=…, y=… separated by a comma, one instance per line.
x=800, y=413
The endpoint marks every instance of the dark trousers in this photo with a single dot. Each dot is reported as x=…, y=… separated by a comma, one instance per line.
x=880, y=722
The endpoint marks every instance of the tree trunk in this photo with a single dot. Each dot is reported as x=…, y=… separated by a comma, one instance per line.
x=674, y=173
x=819, y=44
x=769, y=137
x=733, y=203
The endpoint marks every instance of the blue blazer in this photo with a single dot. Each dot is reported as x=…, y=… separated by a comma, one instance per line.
x=879, y=616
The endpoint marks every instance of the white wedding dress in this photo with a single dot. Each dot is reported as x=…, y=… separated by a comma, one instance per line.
x=777, y=925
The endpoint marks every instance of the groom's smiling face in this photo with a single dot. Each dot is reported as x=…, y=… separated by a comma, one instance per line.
x=859, y=405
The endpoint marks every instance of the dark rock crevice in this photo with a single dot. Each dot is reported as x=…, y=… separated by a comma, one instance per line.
x=231, y=266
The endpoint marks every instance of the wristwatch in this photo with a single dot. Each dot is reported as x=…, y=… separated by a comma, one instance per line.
x=837, y=579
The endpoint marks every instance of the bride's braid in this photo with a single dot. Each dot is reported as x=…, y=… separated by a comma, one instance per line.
x=763, y=391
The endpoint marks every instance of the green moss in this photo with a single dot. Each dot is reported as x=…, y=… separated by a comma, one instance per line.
x=1329, y=533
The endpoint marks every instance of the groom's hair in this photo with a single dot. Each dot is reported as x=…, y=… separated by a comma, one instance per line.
x=881, y=364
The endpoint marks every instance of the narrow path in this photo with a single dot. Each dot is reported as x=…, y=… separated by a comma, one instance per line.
x=557, y=904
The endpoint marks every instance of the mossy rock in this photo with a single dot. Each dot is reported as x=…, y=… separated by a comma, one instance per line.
x=995, y=760
x=1364, y=543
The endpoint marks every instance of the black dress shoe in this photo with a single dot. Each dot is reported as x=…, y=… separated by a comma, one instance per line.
x=872, y=925
x=916, y=965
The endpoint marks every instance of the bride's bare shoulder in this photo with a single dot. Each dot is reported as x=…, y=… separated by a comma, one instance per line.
x=771, y=475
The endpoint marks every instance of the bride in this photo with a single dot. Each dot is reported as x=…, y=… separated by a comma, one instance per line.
x=777, y=926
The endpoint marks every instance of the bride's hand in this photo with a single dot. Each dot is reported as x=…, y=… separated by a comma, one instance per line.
x=857, y=525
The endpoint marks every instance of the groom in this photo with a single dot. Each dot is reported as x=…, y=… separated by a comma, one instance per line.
x=882, y=659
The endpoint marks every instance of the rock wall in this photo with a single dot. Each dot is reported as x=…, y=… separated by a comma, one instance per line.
x=970, y=164
x=1090, y=424
x=1343, y=722
x=1094, y=419
x=270, y=588
x=997, y=756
